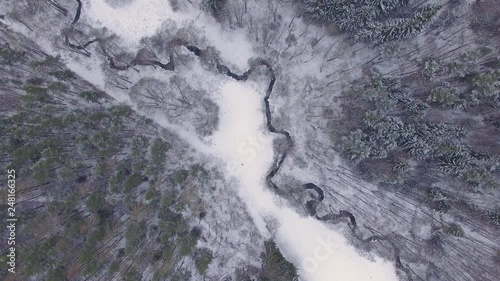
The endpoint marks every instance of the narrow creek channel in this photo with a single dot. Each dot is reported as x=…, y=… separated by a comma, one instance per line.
x=245, y=142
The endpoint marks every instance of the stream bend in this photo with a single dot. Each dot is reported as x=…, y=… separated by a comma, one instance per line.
x=310, y=205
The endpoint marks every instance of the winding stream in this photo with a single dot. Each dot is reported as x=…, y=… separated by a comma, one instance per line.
x=284, y=214
x=320, y=253
x=311, y=204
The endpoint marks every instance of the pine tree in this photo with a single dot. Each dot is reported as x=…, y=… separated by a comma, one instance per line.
x=401, y=168
x=386, y=104
x=202, y=259
x=372, y=117
x=356, y=146
x=415, y=108
x=430, y=67
x=454, y=159
x=446, y=96
x=10, y=56
x=399, y=28
x=486, y=84
x=419, y=149
x=385, y=136
x=91, y=96
x=478, y=177
x=274, y=266
x=95, y=201
x=455, y=230
x=325, y=10
x=360, y=17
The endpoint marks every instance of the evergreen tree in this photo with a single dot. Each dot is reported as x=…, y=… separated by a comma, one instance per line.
x=486, y=84
x=9, y=56
x=274, y=266
x=430, y=67
x=398, y=28
x=95, y=201
x=367, y=19
x=356, y=146
x=446, y=96
x=479, y=177
x=455, y=230
x=419, y=149
x=372, y=117
x=385, y=137
x=202, y=259
x=401, y=168
x=455, y=159
x=414, y=108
